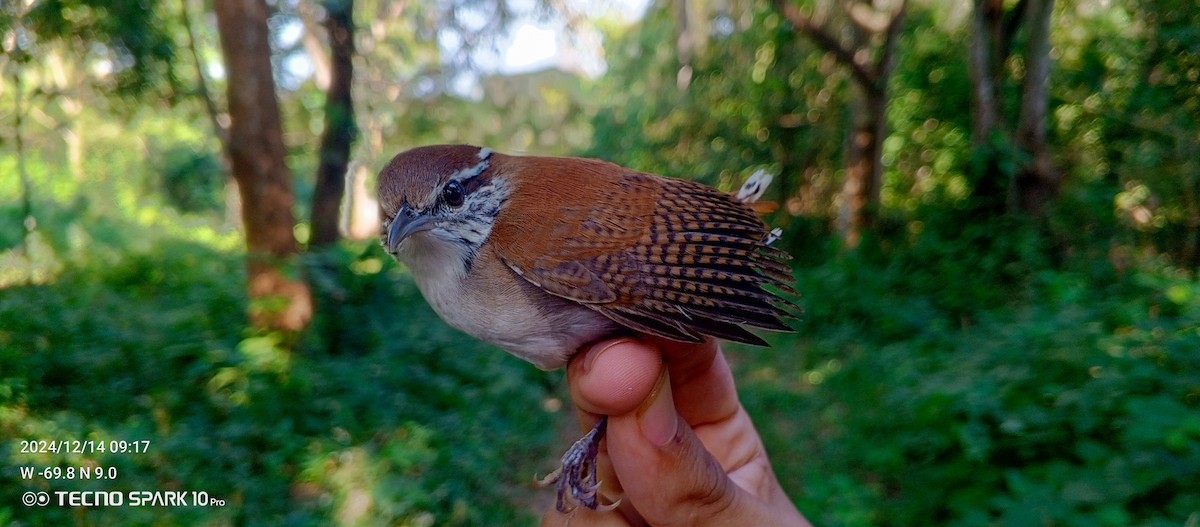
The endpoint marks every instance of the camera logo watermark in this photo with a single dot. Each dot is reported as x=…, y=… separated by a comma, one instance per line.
x=41, y=499
x=114, y=498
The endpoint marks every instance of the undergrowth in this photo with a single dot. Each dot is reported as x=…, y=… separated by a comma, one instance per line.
x=1070, y=397
x=404, y=422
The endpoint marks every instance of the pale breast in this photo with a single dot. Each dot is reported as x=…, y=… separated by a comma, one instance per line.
x=495, y=305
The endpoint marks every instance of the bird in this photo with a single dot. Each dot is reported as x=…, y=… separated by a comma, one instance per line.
x=542, y=256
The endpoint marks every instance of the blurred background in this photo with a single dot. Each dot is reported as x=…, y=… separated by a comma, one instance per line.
x=993, y=208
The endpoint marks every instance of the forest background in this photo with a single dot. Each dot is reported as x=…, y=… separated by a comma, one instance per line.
x=993, y=208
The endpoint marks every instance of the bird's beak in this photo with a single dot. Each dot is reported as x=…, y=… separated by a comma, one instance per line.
x=405, y=224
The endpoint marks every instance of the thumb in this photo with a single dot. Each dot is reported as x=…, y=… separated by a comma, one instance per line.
x=668, y=475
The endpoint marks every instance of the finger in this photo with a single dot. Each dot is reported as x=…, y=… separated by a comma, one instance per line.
x=583, y=516
x=613, y=377
x=672, y=478
x=701, y=381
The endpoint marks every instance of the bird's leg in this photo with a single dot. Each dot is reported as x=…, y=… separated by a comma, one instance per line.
x=576, y=479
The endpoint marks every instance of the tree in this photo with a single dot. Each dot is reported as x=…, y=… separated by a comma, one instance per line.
x=340, y=129
x=864, y=146
x=1035, y=181
x=256, y=152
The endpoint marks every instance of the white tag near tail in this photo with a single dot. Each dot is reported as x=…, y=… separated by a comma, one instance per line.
x=773, y=235
x=752, y=190
x=755, y=186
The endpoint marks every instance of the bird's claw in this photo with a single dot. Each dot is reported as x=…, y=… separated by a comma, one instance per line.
x=576, y=478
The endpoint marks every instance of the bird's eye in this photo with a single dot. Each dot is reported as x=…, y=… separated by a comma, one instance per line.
x=453, y=194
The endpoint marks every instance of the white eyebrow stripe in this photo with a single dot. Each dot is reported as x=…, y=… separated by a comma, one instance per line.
x=485, y=155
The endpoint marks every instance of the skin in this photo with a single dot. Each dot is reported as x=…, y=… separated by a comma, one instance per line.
x=679, y=441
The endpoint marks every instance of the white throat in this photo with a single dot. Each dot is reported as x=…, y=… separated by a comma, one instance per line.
x=434, y=261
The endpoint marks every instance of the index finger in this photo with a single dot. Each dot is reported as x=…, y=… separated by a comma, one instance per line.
x=701, y=381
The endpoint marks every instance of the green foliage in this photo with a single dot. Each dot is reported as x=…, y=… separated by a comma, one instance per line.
x=134, y=37
x=1077, y=409
x=122, y=319
x=756, y=96
x=192, y=180
x=408, y=423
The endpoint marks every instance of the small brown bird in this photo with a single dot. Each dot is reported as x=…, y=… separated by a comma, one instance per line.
x=544, y=255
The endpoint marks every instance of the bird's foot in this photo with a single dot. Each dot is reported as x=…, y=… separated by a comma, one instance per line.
x=576, y=479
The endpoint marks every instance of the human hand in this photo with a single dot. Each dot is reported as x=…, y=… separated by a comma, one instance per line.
x=678, y=440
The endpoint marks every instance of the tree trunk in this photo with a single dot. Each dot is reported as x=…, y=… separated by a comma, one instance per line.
x=317, y=53
x=340, y=127
x=219, y=122
x=27, y=218
x=864, y=147
x=983, y=87
x=863, y=170
x=1037, y=181
x=362, y=211
x=991, y=188
x=256, y=150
